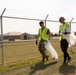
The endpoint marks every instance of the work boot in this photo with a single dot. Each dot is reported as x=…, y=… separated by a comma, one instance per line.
x=47, y=58
x=43, y=59
x=64, y=62
x=69, y=58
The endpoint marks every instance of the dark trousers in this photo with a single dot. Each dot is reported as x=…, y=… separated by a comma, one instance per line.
x=64, y=45
x=42, y=50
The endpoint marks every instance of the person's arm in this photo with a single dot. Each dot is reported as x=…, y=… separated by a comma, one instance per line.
x=67, y=32
x=49, y=33
x=59, y=32
x=60, y=27
x=37, y=37
x=68, y=29
x=37, y=40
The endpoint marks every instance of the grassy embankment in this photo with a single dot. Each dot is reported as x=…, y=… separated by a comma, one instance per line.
x=23, y=58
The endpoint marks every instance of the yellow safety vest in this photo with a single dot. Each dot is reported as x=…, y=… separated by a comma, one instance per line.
x=62, y=28
x=43, y=34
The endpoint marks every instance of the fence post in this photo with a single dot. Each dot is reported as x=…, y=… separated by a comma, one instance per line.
x=2, y=37
x=46, y=18
x=70, y=29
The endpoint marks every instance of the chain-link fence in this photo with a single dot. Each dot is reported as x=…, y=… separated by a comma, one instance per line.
x=21, y=49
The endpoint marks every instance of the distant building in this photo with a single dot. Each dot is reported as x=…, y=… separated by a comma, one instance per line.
x=12, y=35
x=26, y=36
x=18, y=35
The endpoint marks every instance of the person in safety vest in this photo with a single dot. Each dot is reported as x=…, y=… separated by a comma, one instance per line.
x=63, y=42
x=43, y=35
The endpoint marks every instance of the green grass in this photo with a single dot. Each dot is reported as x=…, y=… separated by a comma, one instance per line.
x=23, y=58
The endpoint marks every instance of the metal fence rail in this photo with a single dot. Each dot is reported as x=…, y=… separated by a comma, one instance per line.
x=1, y=22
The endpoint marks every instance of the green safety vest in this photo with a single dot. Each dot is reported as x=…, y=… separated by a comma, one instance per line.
x=62, y=28
x=43, y=34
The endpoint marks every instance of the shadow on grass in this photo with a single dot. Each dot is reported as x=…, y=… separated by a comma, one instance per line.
x=40, y=66
x=66, y=69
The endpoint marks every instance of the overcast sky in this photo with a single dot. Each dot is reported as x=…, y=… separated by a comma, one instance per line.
x=37, y=9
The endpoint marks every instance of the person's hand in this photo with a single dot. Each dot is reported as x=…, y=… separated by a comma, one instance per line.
x=65, y=33
x=36, y=42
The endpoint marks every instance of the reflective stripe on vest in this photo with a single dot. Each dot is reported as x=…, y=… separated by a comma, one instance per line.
x=43, y=34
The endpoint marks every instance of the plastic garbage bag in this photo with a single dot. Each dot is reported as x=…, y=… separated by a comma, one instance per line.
x=71, y=38
x=51, y=50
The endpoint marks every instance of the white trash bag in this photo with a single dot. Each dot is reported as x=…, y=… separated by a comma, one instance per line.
x=71, y=38
x=51, y=50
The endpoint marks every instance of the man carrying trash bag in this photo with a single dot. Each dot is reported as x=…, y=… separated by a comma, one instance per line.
x=44, y=43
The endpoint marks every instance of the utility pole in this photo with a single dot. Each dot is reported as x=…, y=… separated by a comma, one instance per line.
x=2, y=37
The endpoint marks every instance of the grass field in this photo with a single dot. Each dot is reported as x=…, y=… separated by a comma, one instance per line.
x=23, y=58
